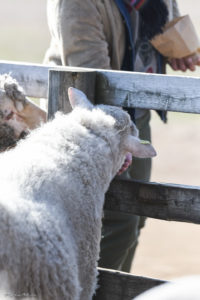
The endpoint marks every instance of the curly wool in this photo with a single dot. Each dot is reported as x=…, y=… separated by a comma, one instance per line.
x=51, y=208
x=11, y=87
x=52, y=194
x=7, y=137
x=17, y=113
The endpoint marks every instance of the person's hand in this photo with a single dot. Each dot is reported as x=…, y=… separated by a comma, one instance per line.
x=126, y=164
x=185, y=63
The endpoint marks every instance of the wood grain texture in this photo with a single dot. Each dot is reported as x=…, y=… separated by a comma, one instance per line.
x=150, y=91
x=161, y=201
x=59, y=82
x=163, y=92
x=33, y=78
x=115, y=285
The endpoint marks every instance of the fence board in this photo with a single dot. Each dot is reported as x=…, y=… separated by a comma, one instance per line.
x=161, y=201
x=32, y=77
x=115, y=285
x=173, y=93
x=163, y=92
x=58, y=96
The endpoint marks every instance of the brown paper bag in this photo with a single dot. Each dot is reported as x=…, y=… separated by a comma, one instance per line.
x=179, y=39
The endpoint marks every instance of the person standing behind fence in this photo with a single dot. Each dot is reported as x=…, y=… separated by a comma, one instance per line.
x=114, y=34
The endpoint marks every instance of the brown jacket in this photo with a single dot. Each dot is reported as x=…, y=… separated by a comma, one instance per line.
x=89, y=33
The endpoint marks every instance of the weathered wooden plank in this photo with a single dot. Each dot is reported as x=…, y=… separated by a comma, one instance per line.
x=115, y=285
x=33, y=78
x=163, y=92
x=173, y=93
x=161, y=201
x=60, y=81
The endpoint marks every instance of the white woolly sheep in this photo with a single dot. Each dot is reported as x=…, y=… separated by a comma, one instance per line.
x=18, y=114
x=186, y=288
x=52, y=193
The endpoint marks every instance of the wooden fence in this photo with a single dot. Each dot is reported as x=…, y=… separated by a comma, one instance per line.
x=160, y=201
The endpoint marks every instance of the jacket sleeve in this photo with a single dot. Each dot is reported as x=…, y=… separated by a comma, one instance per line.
x=77, y=27
x=172, y=9
x=176, y=12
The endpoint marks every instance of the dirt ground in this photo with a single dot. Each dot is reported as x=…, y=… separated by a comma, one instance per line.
x=171, y=249
x=166, y=249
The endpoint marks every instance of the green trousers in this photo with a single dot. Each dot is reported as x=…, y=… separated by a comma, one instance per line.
x=120, y=231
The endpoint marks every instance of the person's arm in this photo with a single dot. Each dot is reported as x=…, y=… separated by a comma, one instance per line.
x=78, y=28
x=175, y=9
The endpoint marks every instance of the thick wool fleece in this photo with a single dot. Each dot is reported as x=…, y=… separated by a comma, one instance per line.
x=52, y=192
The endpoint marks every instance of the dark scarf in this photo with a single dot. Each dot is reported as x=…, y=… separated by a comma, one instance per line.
x=153, y=13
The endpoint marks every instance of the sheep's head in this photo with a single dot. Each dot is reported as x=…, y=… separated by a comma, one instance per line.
x=123, y=128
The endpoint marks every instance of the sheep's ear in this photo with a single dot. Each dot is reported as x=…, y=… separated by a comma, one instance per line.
x=138, y=148
x=78, y=98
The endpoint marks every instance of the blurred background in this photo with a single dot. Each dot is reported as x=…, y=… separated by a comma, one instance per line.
x=166, y=249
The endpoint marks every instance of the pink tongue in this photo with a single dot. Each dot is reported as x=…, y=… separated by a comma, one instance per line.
x=126, y=164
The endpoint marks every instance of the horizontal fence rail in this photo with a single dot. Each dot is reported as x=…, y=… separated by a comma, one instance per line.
x=160, y=201
x=150, y=91
x=115, y=285
x=170, y=202
x=33, y=78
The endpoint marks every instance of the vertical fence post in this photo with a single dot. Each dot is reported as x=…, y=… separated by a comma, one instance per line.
x=60, y=81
